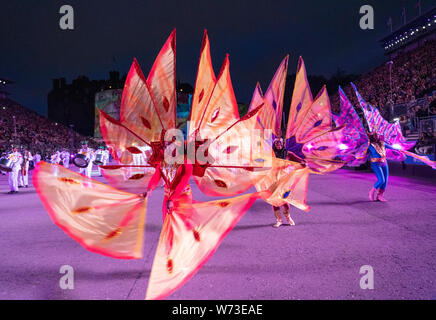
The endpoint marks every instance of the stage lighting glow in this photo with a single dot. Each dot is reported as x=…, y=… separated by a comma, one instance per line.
x=310, y=146
x=397, y=146
x=343, y=146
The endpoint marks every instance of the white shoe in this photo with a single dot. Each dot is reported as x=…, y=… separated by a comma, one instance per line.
x=277, y=224
x=290, y=221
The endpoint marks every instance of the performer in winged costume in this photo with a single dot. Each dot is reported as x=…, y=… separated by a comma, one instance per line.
x=110, y=220
x=373, y=138
x=312, y=144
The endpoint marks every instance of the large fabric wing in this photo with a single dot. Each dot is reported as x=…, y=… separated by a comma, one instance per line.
x=315, y=140
x=227, y=182
x=235, y=160
x=138, y=111
x=132, y=179
x=423, y=159
x=323, y=154
x=102, y=219
x=162, y=83
x=270, y=116
x=121, y=141
x=317, y=119
x=222, y=108
x=267, y=116
x=365, y=108
x=190, y=235
x=301, y=101
x=287, y=183
x=257, y=98
x=204, y=86
x=355, y=140
x=390, y=132
x=274, y=95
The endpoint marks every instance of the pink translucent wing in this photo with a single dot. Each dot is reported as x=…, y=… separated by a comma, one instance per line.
x=286, y=182
x=138, y=111
x=257, y=98
x=227, y=182
x=121, y=141
x=204, y=86
x=266, y=118
x=162, y=82
x=378, y=124
x=128, y=179
x=240, y=144
x=390, y=132
x=423, y=159
x=190, y=235
x=301, y=101
x=102, y=219
x=274, y=95
x=222, y=108
x=365, y=108
x=238, y=158
x=317, y=120
x=349, y=117
x=323, y=166
x=355, y=141
x=395, y=155
x=323, y=153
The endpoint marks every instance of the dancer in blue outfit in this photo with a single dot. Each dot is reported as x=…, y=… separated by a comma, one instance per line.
x=377, y=156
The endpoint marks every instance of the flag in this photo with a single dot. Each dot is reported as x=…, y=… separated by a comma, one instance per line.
x=418, y=6
x=403, y=15
x=389, y=23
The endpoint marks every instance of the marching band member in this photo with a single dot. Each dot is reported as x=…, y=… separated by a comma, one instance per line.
x=56, y=158
x=3, y=155
x=37, y=157
x=90, y=156
x=65, y=156
x=104, y=157
x=24, y=176
x=17, y=159
x=281, y=153
x=106, y=151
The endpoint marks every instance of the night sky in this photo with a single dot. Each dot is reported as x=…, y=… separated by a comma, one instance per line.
x=257, y=35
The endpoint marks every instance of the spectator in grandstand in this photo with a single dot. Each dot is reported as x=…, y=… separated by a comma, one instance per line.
x=413, y=77
x=32, y=130
x=425, y=144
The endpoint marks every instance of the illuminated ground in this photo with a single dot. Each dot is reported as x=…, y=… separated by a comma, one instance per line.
x=320, y=258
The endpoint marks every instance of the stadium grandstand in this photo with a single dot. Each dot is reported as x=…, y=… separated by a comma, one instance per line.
x=22, y=127
x=404, y=87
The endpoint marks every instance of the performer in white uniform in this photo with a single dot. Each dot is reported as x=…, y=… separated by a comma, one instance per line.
x=106, y=151
x=17, y=159
x=65, y=157
x=37, y=158
x=23, y=180
x=90, y=156
x=104, y=157
x=56, y=158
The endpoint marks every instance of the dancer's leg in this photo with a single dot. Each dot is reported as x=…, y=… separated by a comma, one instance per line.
x=278, y=216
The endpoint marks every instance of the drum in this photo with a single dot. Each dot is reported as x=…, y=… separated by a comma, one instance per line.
x=80, y=161
x=98, y=159
x=6, y=164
